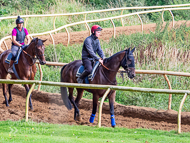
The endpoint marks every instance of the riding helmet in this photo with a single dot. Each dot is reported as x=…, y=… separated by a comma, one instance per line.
x=19, y=20
x=96, y=28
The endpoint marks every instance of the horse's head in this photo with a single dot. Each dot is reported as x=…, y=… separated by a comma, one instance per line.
x=128, y=63
x=39, y=50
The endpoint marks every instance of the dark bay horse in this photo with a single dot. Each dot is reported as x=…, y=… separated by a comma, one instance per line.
x=103, y=76
x=26, y=68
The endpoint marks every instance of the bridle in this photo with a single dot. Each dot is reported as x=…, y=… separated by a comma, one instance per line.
x=33, y=58
x=123, y=64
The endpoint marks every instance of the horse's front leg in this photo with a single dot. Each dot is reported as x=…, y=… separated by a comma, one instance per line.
x=95, y=101
x=27, y=87
x=111, y=103
x=5, y=95
x=10, y=94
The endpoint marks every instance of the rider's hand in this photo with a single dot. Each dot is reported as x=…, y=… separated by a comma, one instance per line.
x=101, y=61
x=22, y=46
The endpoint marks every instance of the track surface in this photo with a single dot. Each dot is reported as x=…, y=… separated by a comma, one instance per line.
x=48, y=107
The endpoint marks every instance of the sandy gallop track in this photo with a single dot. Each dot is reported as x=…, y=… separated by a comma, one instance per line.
x=107, y=33
x=48, y=107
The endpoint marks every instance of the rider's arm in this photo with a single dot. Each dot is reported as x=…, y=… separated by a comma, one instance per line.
x=27, y=36
x=15, y=42
x=100, y=51
x=28, y=39
x=88, y=45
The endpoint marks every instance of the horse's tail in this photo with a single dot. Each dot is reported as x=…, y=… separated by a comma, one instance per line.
x=64, y=94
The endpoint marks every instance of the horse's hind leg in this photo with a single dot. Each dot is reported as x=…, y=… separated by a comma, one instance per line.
x=71, y=98
x=27, y=90
x=5, y=94
x=79, y=96
x=10, y=95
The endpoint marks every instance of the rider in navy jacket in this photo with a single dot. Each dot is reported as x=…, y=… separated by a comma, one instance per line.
x=91, y=46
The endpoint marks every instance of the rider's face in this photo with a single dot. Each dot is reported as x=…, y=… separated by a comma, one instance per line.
x=20, y=25
x=98, y=33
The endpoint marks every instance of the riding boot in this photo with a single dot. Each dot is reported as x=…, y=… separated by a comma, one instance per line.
x=10, y=69
x=82, y=77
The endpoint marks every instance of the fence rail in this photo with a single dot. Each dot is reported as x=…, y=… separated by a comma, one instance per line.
x=96, y=86
x=97, y=20
x=164, y=73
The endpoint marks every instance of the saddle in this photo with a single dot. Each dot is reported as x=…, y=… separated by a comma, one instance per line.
x=8, y=59
x=91, y=75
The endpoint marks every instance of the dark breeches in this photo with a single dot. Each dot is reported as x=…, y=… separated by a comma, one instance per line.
x=87, y=65
x=14, y=50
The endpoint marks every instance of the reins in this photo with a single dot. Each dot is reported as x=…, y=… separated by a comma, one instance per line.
x=33, y=59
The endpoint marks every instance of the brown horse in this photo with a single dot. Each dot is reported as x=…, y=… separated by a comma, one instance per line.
x=26, y=68
x=105, y=76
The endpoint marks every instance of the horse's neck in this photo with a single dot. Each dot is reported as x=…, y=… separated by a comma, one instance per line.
x=114, y=62
x=29, y=49
x=27, y=53
x=113, y=65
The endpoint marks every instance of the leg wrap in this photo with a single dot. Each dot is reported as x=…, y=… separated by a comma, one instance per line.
x=113, y=121
x=91, y=120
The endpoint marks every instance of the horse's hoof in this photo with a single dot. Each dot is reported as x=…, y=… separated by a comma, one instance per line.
x=78, y=118
x=10, y=101
x=31, y=109
x=113, y=126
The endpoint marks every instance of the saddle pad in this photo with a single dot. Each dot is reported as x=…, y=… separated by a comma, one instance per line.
x=91, y=75
x=8, y=59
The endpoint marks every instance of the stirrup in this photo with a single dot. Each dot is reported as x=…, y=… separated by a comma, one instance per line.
x=79, y=80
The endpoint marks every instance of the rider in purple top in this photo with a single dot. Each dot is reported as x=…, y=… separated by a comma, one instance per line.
x=19, y=34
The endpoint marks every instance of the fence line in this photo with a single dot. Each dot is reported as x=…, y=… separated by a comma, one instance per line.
x=97, y=20
x=96, y=86
x=164, y=73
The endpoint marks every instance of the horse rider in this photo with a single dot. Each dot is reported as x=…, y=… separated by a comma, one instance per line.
x=91, y=46
x=18, y=36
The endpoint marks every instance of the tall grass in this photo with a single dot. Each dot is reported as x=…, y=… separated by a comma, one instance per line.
x=163, y=50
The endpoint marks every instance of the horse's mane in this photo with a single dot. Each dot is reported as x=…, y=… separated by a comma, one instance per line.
x=39, y=41
x=108, y=59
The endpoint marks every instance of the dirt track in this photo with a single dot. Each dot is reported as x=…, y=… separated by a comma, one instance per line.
x=48, y=107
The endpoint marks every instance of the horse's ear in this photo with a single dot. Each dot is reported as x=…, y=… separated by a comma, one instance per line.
x=128, y=50
x=44, y=41
x=133, y=49
x=36, y=40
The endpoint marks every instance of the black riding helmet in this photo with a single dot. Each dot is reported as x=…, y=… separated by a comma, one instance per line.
x=19, y=20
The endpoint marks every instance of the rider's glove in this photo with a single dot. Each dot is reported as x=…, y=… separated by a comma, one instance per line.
x=22, y=46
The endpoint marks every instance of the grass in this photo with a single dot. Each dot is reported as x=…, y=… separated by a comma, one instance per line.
x=20, y=131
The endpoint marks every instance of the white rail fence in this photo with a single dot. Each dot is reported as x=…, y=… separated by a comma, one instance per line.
x=95, y=86
x=164, y=73
x=164, y=8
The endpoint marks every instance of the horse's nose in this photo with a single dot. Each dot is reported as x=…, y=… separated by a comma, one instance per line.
x=43, y=62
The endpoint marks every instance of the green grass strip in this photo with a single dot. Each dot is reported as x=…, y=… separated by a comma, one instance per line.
x=20, y=131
